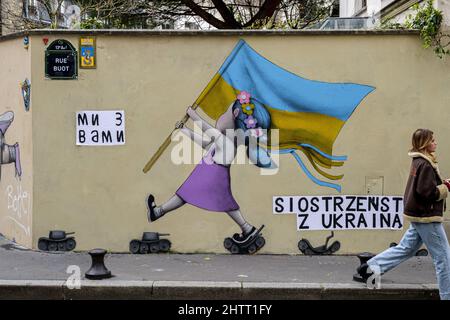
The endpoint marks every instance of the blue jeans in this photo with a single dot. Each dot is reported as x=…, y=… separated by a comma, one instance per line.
x=433, y=235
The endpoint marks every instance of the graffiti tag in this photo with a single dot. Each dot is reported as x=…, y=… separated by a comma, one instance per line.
x=18, y=206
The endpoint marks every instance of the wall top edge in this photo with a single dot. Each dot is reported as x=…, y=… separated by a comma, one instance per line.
x=126, y=32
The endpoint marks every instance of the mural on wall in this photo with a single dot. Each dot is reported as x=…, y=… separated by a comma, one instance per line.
x=8, y=153
x=308, y=249
x=25, y=87
x=252, y=95
x=19, y=207
x=208, y=187
x=26, y=42
x=88, y=53
x=18, y=199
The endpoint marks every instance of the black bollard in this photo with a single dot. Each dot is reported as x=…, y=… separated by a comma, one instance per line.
x=98, y=270
x=363, y=258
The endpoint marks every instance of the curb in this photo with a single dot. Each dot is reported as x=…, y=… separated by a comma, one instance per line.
x=210, y=290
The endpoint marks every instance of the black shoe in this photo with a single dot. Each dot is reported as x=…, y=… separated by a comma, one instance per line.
x=240, y=238
x=362, y=271
x=151, y=216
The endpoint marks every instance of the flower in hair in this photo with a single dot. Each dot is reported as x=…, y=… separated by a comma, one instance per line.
x=247, y=108
x=244, y=97
x=250, y=122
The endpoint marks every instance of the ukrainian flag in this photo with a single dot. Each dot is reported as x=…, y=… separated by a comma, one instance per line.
x=309, y=114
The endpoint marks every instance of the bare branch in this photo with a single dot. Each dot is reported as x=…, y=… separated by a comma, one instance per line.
x=205, y=15
x=266, y=10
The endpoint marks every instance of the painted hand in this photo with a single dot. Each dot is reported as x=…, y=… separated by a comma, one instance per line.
x=179, y=125
x=191, y=112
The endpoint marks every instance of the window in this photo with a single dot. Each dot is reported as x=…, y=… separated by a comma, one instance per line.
x=168, y=25
x=31, y=10
x=345, y=23
x=191, y=25
x=36, y=10
x=360, y=4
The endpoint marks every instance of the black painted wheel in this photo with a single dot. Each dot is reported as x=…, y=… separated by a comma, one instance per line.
x=143, y=248
x=234, y=249
x=70, y=244
x=227, y=243
x=164, y=245
x=302, y=245
x=62, y=246
x=154, y=248
x=52, y=246
x=251, y=249
x=134, y=246
x=260, y=242
x=43, y=245
x=335, y=246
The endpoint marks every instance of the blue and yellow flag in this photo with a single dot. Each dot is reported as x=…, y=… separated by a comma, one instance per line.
x=309, y=114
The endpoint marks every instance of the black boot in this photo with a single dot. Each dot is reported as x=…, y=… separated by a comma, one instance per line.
x=151, y=216
x=241, y=238
x=362, y=271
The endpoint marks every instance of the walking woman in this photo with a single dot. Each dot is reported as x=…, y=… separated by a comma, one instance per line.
x=424, y=204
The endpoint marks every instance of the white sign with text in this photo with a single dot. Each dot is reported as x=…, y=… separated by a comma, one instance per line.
x=100, y=128
x=342, y=212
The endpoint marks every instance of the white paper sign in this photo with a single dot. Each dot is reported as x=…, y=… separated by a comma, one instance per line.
x=342, y=212
x=100, y=128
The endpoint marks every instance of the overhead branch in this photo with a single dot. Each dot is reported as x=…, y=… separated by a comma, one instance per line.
x=266, y=11
x=209, y=18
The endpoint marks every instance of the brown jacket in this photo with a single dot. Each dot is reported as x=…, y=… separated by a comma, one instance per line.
x=425, y=193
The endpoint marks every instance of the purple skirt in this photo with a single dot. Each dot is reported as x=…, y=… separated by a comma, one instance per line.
x=208, y=187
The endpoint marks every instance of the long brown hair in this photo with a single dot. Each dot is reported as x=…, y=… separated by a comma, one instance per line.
x=421, y=138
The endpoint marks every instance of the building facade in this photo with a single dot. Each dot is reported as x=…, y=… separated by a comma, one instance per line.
x=17, y=15
x=396, y=10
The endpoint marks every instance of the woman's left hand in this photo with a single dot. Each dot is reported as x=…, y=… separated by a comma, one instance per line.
x=191, y=112
x=447, y=183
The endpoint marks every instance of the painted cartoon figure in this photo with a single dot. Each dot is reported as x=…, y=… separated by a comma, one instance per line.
x=87, y=57
x=208, y=187
x=8, y=153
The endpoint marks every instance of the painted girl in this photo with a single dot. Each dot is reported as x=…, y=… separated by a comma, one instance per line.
x=208, y=187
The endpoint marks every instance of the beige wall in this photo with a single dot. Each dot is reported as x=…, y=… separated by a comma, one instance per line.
x=99, y=192
x=16, y=194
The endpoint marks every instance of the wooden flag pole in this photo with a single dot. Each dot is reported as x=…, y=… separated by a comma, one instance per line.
x=158, y=153
x=164, y=145
x=166, y=142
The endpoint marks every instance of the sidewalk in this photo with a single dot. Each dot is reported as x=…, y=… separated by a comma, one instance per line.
x=27, y=274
